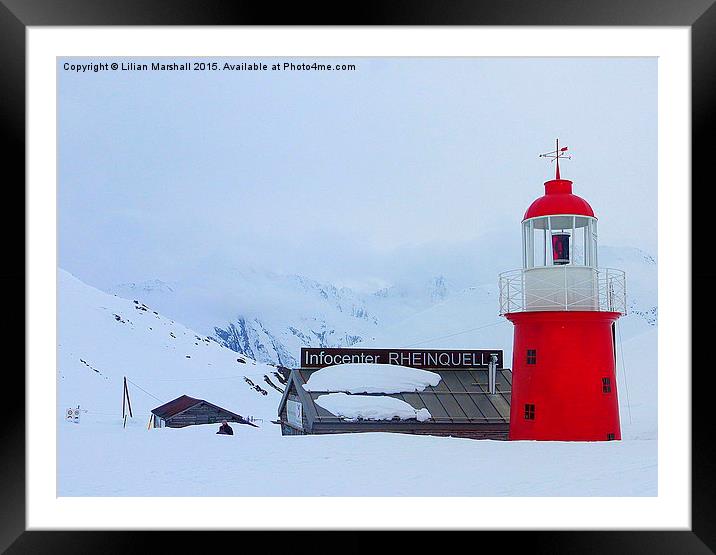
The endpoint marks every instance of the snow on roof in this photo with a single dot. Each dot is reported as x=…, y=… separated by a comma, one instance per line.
x=370, y=407
x=371, y=378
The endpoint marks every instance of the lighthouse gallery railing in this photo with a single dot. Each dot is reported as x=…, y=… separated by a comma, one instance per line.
x=568, y=287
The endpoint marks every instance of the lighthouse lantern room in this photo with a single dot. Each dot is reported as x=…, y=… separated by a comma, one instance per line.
x=564, y=309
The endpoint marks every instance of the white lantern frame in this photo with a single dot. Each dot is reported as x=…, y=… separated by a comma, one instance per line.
x=537, y=240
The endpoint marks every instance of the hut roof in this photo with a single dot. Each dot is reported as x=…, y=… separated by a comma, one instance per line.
x=180, y=404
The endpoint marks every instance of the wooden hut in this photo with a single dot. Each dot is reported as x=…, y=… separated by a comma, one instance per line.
x=187, y=411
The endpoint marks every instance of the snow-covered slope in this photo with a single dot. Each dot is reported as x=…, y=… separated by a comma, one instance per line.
x=103, y=338
x=269, y=317
x=262, y=315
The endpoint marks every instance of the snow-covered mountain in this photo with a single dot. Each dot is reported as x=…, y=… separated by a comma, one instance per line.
x=268, y=317
x=103, y=338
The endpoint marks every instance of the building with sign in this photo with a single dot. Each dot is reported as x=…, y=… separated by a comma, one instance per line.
x=564, y=309
x=471, y=399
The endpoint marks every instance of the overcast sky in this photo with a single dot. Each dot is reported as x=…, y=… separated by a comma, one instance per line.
x=326, y=173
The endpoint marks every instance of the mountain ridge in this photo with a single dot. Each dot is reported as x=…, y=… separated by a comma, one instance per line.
x=269, y=316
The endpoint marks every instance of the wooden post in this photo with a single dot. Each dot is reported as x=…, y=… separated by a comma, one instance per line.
x=126, y=402
x=126, y=392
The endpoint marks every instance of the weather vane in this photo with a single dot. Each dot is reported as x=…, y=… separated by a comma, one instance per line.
x=556, y=155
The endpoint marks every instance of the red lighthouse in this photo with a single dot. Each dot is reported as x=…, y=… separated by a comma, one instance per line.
x=564, y=308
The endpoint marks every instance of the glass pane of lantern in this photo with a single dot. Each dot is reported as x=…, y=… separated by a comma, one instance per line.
x=539, y=236
x=594, y=259
x=541, y=223
x=580, y=221
x=561, y=223
x=579, y=245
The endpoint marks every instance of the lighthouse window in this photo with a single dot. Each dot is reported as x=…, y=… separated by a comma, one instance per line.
x=529, y=412
x=531, y=356
x=606, y=385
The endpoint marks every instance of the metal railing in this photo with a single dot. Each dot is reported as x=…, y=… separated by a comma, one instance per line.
x=563, y=288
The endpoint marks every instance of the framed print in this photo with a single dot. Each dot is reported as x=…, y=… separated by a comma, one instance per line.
x=414, y=271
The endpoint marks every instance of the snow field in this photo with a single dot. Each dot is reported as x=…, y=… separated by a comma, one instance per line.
x=195, y=461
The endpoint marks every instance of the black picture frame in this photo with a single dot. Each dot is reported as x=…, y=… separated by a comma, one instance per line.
x=699, y=15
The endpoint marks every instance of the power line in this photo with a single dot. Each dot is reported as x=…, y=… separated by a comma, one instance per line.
x=192, y=379
x=145, y=391
x=414, y=315
x=456, y=333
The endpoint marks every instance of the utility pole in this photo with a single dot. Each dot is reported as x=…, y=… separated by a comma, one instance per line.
x=125, y=399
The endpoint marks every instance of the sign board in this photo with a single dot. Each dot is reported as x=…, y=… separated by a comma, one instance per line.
x=294, y=412
x=415, y=358
x=73, y=415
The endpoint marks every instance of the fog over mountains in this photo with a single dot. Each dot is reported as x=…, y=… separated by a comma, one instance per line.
x=269, y=316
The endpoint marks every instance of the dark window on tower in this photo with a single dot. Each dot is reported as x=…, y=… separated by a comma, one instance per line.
x=531, y=356
x=611, y=437
x=606, y=385
x=529, y=412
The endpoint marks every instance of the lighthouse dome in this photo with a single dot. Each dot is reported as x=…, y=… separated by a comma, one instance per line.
x=558, y=199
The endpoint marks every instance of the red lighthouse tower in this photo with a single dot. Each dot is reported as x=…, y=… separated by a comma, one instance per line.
x=564, y=310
